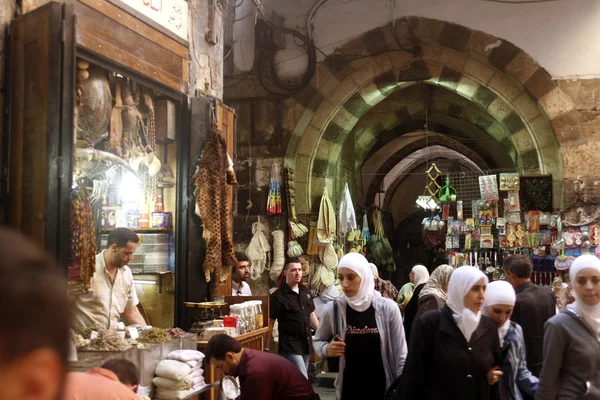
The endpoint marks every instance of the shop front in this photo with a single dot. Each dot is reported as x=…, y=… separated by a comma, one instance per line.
x=100, y=139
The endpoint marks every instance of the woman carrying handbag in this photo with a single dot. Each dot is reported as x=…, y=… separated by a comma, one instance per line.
x=371, y=343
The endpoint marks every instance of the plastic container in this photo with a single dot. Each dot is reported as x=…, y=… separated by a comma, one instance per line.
x=249, y=315
x=236, y=310
x=259, y=313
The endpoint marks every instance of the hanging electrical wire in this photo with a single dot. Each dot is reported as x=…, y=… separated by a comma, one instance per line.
x=266, y=65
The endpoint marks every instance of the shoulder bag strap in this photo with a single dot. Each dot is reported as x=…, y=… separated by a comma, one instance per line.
x=336, y=328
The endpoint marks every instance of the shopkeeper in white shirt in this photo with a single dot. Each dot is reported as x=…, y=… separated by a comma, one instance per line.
x=112, y=295
x=239, y=274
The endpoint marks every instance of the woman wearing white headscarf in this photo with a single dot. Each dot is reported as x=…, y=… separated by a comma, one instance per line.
x=435, y=292
x=365, y=332
x=385, y=287
x=571, y=368
x=454, y=351
x=499, y=304
x=421, y=277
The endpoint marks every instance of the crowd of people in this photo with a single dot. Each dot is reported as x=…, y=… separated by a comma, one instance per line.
x=469, y=338
x=448, y=335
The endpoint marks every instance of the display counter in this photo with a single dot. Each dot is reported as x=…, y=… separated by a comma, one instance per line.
x=144, y=358
x=254, y=340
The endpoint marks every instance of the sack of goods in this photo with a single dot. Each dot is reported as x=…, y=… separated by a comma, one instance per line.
x=180, y=375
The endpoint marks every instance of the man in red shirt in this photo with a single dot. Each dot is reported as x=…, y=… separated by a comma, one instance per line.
x=96, y=384
x=263, y=376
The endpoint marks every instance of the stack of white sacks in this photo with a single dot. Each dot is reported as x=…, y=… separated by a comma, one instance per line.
x=180, y=375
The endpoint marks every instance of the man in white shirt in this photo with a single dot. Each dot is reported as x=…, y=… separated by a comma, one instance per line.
x=239, y=274
x=112, y=294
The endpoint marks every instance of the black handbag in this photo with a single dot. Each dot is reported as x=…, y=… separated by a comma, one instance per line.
x=334, y=362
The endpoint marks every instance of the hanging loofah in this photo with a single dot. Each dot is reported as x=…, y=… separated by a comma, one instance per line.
x=278, y=254
x=258, y=251
x=379, y=250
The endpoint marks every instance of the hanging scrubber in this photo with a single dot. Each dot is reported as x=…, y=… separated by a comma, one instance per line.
x=278, y=254
x=258, y=251
x=274, y=199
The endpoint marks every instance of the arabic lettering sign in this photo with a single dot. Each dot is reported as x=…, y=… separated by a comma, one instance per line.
x=171, y=14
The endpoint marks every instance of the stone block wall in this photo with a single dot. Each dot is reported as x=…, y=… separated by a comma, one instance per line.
x=581, y=153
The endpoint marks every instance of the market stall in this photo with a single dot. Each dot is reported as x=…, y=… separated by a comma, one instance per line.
x=101, y=138
x=244, y=317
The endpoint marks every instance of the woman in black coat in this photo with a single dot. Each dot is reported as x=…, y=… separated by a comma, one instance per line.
x=421, y=276
x=442, y=364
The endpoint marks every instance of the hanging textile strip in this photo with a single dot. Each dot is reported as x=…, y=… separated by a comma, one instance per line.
x=274, y=199
x=211, y=181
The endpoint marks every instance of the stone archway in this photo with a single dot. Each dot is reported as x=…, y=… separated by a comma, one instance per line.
x=504, y=80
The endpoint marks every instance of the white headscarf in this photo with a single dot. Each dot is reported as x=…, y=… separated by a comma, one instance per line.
x=374, y=270
x=500, y=292
x=461, y=281
x=590, y=314
x=359, y=264
x=438, y=282
x=421, y=274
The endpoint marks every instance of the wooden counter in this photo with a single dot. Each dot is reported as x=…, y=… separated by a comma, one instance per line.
x=254, y=340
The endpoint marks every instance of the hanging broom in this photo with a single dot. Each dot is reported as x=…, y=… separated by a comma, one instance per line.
x=379, y=250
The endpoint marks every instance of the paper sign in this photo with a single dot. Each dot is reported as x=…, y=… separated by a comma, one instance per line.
x=93, y=335
x=171, y=14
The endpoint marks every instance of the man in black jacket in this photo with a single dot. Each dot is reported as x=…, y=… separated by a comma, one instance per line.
x=293, y=307
x=535, y=305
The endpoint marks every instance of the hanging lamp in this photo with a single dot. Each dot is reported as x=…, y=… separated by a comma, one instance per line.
x=428, y=200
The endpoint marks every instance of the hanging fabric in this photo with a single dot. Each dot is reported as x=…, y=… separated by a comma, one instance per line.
x=326, y=223
x=346, y=215
x=259, y=250
x=211, y=179
x=274, y=199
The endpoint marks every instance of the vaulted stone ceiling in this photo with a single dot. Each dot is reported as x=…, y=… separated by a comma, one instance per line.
x=497, y=106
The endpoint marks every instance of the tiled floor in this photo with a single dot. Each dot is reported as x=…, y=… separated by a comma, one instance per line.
x=325, y=393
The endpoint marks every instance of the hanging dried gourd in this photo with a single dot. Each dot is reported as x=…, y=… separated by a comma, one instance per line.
x=83, y=239
x=274, y=199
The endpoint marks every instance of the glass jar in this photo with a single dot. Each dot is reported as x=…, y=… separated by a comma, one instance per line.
x=256, y=307
x=260, y=319
x=249, y=316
